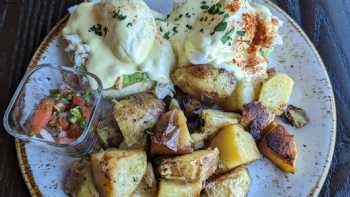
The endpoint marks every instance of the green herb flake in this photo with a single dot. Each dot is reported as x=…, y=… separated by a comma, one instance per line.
x=129, y=25
x=240, y=33
x=72, y=119
x=204, y=2
x=188, y=15
x=201, y=30
x=118, y=15
x=220, y=27
x=99, y=30
x=227, y=36
x=82, y=124
x=204, y=7
x=166, y=35
x=175, y=29
x=189, y=26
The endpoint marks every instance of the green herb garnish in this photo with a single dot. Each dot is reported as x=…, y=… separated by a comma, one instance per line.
x=87, y=95
x=99, y=30
x=220, y=27
x=166, y=35
x=55, y=92
x=227, y=36
x=129, y=25
x=204, y=7
x=118, y=15
x=240, y=33
x=75, y=112
x=189, y=26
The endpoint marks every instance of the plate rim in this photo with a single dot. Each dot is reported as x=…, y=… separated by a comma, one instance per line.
x=20, y=146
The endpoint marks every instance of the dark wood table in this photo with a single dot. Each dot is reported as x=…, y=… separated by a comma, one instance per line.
x=24, y=23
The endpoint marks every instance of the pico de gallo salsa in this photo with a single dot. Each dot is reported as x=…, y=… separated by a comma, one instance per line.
x=62, y=116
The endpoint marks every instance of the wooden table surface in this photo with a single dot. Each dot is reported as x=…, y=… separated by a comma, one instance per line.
x=24, y=23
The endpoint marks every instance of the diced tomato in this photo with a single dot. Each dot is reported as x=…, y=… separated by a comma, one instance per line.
x=86, y=111
x=74, y=131
x=79, y=100
x=63, y=123
x=42, y=115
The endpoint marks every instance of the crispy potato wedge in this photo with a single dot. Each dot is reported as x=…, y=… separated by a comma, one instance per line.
x=171, y=135
x=148, y=185
x=118, y=172
x=255, y=118
x=280, y=147
x=171, y=188
x=78, y=181
x=196, y=166
x=236, y=146
x=205, y=82
x=135, y=114
x=235, y=183
x=245, y=92
x=275, y=93
x=213, y=121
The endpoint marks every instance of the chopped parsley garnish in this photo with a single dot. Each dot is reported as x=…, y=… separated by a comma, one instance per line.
x=166, y=35
x=188, y=15
x=74, y=115
x=216, y=9
x=99, y=30
x=82, y=124
x=118, y=15
x=221, y=26
x=240, y=33
x=160, y=19
x=129, y=25
x=180, y=16
x=204, y=7
x=160, y=29
x=227, y=36
x=203, y=2
x=201, y=30
x=175, y=29
x=189, y=26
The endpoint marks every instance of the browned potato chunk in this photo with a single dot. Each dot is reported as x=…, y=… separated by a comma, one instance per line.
x=279, y=146
x=255, y=118
x=196, y=166
x=148, y=185
x=234, y=183
x=135, y=114
x=118, y=172
x=171, y=135
x=78, y=181
x=171, y=188
x=205, y=82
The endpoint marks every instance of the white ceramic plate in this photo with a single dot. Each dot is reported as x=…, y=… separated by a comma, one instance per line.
x=44, y=171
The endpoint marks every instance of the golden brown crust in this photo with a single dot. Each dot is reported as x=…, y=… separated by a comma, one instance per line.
x=255, y=118
x=280, y=141
x=204, y=82
x=279, y=146
x=171, y=135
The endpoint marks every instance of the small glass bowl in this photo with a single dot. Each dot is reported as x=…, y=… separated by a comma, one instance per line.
x=34, y=87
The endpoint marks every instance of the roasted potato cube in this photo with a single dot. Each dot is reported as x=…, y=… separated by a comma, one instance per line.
x=118, y=172
x=171, y=135
x=275, y=92
x=255, y=118
x=205, y=82
x=135, y=114
x=280, y=147
x=213, y=121
x=245, y=92
x=148, y=185
x=198, y=165
x=234, y=183
x=295, y=116
x=236, y=146
x=78, y=181
x=173, y=188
